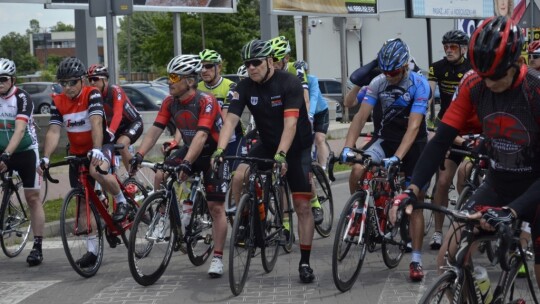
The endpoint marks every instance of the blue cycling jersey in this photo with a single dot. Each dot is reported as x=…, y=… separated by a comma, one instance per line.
x=317, y=102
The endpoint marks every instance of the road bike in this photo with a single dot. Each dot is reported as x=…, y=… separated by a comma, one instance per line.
x=363, y=223
x=323, y=191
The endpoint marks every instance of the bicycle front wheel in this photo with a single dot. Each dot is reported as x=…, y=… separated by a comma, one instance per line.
x=14, y=221
x=443, y=290
x=519, y=288
x=324, y=194
x=135, y=194
x=151, y=240
x=241, y=245
x=82, y=236
x=349, y=247
x=393, y=245
x=272, y=231
x=199, y=232
x=288, y=216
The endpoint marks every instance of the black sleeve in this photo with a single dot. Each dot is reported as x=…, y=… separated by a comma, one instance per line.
x=363, y=75
x=527, y=201
x=433, y=155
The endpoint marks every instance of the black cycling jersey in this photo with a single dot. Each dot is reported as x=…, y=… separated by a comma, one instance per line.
x=447, y=75
x=269, y=103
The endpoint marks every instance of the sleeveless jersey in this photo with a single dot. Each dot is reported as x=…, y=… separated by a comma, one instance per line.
x=17, y=105
x=115, y=100
x=447, y=75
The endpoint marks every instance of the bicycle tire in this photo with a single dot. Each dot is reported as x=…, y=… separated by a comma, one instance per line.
x=242, y=245
x=15, y=221
x=430, y=220
x=229, y=206
x=75, y=238
x=272, y=231
x=324, y=194
x=289, y=212
x=444, y=288
x=464, y=197
x=393, y=242
x=134, y=200
x=349, y=249
x=518, y=288
x=149, y=252
x=199, y=241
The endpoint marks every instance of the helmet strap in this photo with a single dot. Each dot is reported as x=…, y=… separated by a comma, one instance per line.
x=267, y=71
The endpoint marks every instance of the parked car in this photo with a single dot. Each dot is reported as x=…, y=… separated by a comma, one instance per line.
x=331, y=88
x=162, y=80
x=40, y=92
x=147, y=96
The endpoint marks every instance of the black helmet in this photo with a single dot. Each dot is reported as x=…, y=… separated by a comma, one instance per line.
x=70, y=67
x=456, y=36
x=495, y=46
x=98, y=70
x=256, y=49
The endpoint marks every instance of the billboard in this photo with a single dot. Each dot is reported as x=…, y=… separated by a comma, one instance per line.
x=196, y=6
x=471, y=9
x=325, y=7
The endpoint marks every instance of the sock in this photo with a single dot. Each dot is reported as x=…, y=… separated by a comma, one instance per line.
x=120, y=199
x=37, y=242
x=91, y=244
x=315, y=202
x=286, y=224
x=417, y=257
x=305, y=251
x=218, y=254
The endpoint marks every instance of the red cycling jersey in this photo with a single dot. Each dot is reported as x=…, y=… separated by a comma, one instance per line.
x=120, y=112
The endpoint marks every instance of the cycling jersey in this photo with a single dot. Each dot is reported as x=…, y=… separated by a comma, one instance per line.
x=410, y=95
x=199, y=112
x=17, y=105
x=317, y=102
x=447, y=75
x=74, y=114
x=116, y=101
x=300, y=74
x=280, y=96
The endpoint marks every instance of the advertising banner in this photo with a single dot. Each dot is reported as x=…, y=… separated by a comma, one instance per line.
x=325, y=7
x=196, y=6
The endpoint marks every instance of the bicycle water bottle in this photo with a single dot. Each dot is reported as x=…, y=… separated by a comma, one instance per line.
x=481, y=279
x=187, y=208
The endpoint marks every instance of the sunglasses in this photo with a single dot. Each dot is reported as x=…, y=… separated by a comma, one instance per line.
x=534, y=56
x=392, y=73
x=70, y=83
x=4, y=78
x=209, y=66
x=174, y=78
x=94, y=79
x=255, y=63
x=451, y=47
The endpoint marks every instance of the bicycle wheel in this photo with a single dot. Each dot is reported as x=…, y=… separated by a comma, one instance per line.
x=230, y=209
x=393, y=246
x=464, y=196
x=76, y=237
x=324, y=194
x=519, y=288
x=288, y=212
x=349, y=247
x=443, y=290
x=14, y=220
x=241, y=246
x=272, y=231
x=199, y=241
x=151, y=240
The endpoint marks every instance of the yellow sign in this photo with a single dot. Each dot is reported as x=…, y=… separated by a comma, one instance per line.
x=325, y=7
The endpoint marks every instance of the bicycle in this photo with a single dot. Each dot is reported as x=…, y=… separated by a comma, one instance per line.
x=83, y=214
x=157, y=228
x=457, y=283
x=259, y=220
x=321, y=187
x=363, y=224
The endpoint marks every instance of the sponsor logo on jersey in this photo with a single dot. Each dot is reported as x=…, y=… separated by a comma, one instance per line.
x=208, y=108
x=95, y=95
x=254, y=100
x=74, y=123
x=119, y=96
x=276, y=102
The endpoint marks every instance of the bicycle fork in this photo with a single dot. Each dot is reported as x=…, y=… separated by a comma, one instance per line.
x=357, y=221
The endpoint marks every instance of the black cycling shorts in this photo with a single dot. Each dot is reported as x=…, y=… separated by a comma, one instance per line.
x=133, y=131
x=25, y=163
x=321, y=122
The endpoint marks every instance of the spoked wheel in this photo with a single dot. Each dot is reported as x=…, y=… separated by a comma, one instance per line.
x=464, y=196
x=14, y=221
x=443, y=291
x=272, y=232
x=349, y=247
x=242, y=245
x=520, y=288
x=199, y=239
x=324, y=194
x=288, y=216
x=77, y=236
x=393, y=245
x=151, y=240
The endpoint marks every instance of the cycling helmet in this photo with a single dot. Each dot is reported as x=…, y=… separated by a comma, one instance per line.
x=7, y=67
x=98, y=70
x=185, y=65
x=393, y=55
x=495, y=46
x=70, y=67
x=534, y=47
x=210, y=55
x=280, y=47
x=301, y=64
x=256, y=49
x=242, y=71
x=456, y=36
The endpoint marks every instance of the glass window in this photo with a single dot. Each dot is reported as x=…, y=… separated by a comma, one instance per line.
x=333, y=87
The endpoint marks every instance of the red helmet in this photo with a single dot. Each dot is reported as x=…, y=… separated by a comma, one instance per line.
x=98, y=70
x=495, y=46
x=534, y=47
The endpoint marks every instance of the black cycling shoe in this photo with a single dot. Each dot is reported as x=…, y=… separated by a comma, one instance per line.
x=121, y=212
x=306, y=273
x=318, y=215
x=34, y=258
x=87, y=260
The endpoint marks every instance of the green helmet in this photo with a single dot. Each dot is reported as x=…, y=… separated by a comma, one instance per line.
x=210, y=55
x=280, y=47
x=256, y=49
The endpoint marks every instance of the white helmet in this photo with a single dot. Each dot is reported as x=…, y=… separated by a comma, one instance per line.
x=242, y=71
x=185, y=65
x=7, y=67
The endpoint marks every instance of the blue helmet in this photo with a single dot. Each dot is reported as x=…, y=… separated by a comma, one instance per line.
x=393, y=55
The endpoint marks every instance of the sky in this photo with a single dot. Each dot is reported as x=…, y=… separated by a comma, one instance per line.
x=16, y=17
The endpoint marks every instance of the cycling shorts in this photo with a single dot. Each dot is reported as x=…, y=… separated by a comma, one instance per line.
x=132, y=131
x=107, y=149
x=321, y=122
x=22, y=163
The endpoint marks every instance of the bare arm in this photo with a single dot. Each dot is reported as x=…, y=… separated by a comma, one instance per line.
x=51, y=140
x=150, y=139
x=350, y=98
x=432, y=85
x=96, y=122
x=357, y=124
x=289, y=130
x=228, y=128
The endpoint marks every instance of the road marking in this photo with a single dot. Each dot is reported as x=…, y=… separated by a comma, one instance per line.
x=16, y=292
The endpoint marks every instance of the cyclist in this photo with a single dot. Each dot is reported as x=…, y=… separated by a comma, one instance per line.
x=402, y=96
x=447, y=73
x=197, y=116
x=124, y=120
x=503, y=96
x=79, y=108
x=275, y=100
x=19, y=146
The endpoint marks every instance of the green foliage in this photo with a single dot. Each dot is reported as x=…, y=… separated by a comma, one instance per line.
x=16, y=47
x=34, y=27
x=62, y=27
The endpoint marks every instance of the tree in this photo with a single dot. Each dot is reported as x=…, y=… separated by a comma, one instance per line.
x=34, y=27
x=17, y=48
x=62, y=27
